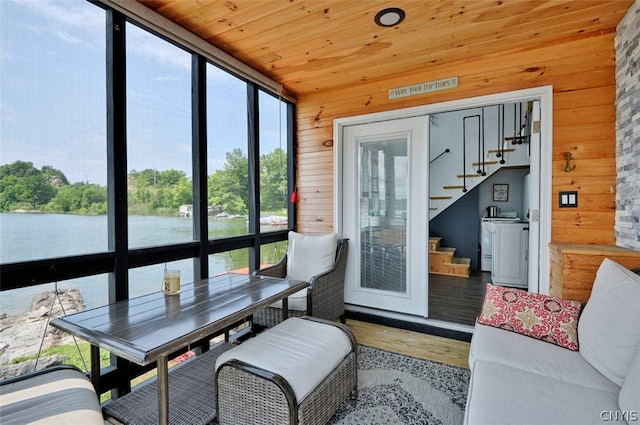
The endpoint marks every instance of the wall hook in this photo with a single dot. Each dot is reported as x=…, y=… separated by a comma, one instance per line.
x=567, y=165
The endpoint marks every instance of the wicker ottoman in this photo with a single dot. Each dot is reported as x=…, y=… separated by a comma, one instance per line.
x=298, y=372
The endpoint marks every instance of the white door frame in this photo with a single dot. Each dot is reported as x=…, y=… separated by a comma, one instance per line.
x=543, y=93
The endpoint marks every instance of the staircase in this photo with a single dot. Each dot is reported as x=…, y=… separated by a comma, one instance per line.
x=475, y=153
x=463, y=157
x=443, y=261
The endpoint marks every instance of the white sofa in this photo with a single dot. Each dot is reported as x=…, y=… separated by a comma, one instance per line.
x=517, y=379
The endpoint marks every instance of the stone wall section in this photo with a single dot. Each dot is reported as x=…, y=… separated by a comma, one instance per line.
x=627, y=225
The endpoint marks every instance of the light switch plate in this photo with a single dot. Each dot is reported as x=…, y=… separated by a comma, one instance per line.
x=568, y=199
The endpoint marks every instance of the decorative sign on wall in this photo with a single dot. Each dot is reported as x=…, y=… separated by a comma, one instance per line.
x=446, y=83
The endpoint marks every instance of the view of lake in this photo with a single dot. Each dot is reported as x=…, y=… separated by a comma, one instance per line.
x=32, y=236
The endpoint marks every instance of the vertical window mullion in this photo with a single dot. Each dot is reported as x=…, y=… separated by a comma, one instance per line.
x=253, y=122
x=291, y=169
x=199, y=133
x=117, y=176
x=117, y=154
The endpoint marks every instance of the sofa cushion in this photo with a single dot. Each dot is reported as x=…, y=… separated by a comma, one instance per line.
x=609, y=327
x=310, y=255
x=499, y=394
x=629, y=399
x=536, y=315
x=531, y=355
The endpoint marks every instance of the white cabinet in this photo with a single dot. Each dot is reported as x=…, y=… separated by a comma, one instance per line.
x=510, y=254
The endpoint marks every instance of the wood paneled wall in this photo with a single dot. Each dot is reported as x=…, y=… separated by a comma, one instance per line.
x=580, y=69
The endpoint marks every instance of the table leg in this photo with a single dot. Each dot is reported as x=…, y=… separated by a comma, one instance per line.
x=95, y=367
x=163, y=390
x=285, y=308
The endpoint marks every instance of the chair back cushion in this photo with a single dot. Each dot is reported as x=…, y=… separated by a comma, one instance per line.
x=609, y=327
x=309, y=255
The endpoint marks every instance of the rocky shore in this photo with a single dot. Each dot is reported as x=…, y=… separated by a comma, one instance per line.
x=21, y=336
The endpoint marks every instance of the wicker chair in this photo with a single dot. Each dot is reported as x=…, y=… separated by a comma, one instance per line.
x=325, y=296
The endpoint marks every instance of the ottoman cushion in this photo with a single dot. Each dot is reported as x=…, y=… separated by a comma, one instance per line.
x=302, y=351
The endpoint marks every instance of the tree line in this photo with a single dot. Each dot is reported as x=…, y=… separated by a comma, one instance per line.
x=150, y=192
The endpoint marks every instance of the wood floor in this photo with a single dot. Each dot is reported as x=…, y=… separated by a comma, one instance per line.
x=451, y=299
x=416, y=344
x=457, y=299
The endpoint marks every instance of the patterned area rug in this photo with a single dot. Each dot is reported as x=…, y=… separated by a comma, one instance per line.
x=398, y=389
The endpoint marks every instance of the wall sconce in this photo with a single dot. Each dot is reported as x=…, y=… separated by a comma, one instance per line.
x=567, y=165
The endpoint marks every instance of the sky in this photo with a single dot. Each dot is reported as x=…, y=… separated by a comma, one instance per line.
x=53, y=102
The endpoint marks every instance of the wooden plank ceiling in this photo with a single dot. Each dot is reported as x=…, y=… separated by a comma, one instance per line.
x=313, y=45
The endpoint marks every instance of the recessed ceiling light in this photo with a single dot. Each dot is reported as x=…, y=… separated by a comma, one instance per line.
x=389, y=17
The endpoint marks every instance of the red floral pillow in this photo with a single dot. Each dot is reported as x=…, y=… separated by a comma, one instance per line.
x=550, y=319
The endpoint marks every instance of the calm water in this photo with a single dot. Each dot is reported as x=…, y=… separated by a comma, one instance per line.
x=27, y=236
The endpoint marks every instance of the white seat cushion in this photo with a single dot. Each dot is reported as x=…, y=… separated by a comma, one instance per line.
x=609, y=327
x=302, y=351
x=535, y=356
x=297, y=301
x=500, y=394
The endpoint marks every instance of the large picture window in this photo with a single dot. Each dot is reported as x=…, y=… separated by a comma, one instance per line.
x=227, y=154
x=273, y=163
x=53, y=158
x=159, y=174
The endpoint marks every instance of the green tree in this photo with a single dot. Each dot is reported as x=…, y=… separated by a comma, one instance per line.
x=11, y=192
x=170, y=178
x=229, y=186
x=20, y=169
x=68, y=199
x=21, y=185
x=273, y=180
x=80, y=198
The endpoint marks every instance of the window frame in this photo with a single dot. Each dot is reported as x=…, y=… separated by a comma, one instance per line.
x=119, y=258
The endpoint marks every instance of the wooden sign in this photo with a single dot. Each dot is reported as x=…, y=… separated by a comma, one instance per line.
x=431, y=86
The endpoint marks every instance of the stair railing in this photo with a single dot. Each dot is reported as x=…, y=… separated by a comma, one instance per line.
x=481, y=162
x=464, y=148
x=503, y=148
x=442, y=153
x=500, y=153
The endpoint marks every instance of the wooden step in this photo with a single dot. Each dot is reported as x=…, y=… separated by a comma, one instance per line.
x=439, y=197
x=517, y=139
x=433, y=209
x=462, y=176
x=500, y=151
x=438, y=259
x=457, y=267
x=453, y=187
x=434, y=243
x=476, y=164
x=461, y=262
x=443, y=251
